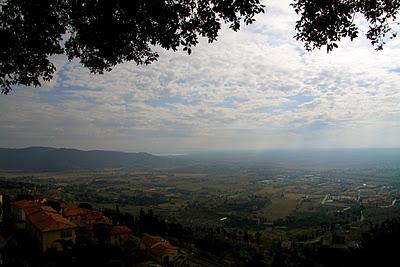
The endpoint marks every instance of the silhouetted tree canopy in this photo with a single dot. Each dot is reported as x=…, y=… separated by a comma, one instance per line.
x=103, y=33
x=326, y=22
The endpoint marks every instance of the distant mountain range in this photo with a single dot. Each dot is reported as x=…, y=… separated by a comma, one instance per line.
x=53, y=159
x=59, y=159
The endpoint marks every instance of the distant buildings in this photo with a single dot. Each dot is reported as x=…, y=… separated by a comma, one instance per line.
x=85, y=218
x=119, y=235
x=159, y=249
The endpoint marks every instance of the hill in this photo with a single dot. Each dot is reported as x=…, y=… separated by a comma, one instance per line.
x=59, y=159
x=55, y=159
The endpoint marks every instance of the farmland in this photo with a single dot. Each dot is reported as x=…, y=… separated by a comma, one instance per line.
x=250, y=198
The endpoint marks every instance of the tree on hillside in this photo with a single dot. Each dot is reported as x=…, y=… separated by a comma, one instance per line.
x=104, y=33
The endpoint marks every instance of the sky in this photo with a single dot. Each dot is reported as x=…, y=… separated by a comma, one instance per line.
x=255, y=89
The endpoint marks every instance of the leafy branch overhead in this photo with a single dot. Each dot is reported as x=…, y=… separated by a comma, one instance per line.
x=325, y=22
x=104, y=33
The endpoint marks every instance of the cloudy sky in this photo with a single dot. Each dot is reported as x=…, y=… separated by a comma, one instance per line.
x=253, y=89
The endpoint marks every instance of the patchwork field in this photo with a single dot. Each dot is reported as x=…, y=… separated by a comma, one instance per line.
x=280, y=208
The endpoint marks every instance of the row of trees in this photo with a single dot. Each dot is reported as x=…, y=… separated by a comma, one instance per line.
x=381, y=240
x=148, y=222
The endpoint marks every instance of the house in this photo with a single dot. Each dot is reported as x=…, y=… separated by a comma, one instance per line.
x=95, y=217
x=18, y=208
x=85, y=218
x=119, y=235
x=159, y=249
x=65, y=206
x=49, y=228
x=76, y=215
x=31, y=210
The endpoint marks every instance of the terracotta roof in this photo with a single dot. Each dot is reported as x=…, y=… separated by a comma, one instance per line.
x=48, y=209
x=69, y=212
x=158, y=247
x=34, y=209
x=68, y=206
x=90, y=215
x=164, y=249
x=115, y=230
x=151, y=240
x=20, y=204
x=94, y=215
x=49, y=221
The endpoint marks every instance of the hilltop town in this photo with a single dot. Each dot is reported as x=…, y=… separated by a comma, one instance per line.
x=54, y=226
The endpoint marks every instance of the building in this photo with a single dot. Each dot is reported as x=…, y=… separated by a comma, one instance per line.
x=18, y=209
x=76, y=215
x=18, y=212
x=119, y=235
x=159, y=249
x=49, y=229
x=85, y=218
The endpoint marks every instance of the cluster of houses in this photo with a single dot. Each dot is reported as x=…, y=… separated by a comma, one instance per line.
x=53, y=229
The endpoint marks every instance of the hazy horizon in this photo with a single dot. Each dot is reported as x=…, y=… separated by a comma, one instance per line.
x=217, y=152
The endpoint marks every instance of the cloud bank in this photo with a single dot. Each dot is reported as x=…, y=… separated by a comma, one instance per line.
x=252, y=89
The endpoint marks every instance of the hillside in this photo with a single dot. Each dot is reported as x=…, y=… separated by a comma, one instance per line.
x=54, y=159
x=59, y=159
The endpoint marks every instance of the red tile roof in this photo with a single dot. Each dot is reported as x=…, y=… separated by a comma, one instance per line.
x=94, y=215
x=115, y=230
x=151, y=240
x=70, y=212
x=68, y=206
x=90, y=216
x=34, y=209
x=50, y=221
x=161, y=250
x=48, y=209
x=158, y=247
x=20, y=204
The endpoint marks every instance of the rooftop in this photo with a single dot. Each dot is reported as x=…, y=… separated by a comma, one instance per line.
x=120, y=230
x=34, y=209
x=151, y=240
x=70, y=212
x=47, y=221
x=164, y=249
x=158, y=246
x=21, y=204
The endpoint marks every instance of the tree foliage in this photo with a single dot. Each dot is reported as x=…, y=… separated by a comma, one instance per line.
x=103, y=33
x=326, y=22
